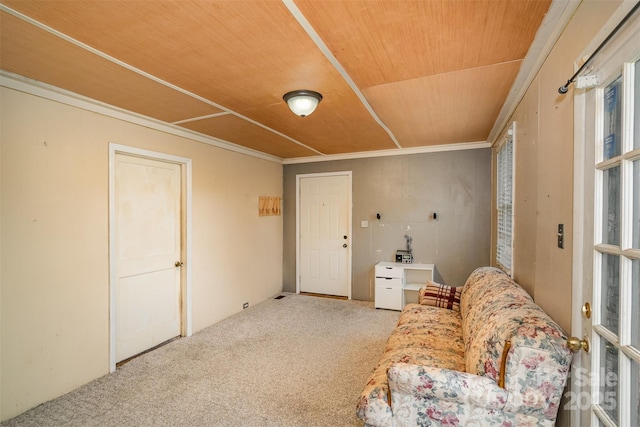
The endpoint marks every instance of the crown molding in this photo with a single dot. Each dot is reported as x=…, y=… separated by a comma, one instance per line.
x=389, y=153
x=53, y=93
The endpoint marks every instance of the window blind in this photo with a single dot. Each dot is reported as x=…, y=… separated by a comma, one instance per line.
x=504, y=199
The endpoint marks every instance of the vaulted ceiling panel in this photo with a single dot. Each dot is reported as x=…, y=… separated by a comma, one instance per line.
x=393, y=73
x=243, y=55
x=380, y=42
x=233, y=129
x=450, y=107
x=334, y=128
x=32, y=52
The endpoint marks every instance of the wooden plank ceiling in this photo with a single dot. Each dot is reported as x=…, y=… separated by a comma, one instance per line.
x=434, y=72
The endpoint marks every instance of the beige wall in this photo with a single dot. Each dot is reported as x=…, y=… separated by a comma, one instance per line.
x=544, y=172
x=54, y=240
x=544, y=168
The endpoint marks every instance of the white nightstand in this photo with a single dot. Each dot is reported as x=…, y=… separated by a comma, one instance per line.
x=389, y=286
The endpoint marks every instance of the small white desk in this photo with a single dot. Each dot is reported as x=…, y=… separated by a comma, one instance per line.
x=398, y=284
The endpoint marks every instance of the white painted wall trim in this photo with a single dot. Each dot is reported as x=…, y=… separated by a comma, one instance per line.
x=387, y=153
x=114, y=149
x=53, y=93
x=350, y=218
x=577, y=270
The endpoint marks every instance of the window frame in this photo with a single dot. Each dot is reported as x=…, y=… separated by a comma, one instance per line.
x=505, y=192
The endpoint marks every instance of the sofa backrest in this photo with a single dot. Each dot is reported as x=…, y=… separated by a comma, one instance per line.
x=496, y=310
x=491, y=306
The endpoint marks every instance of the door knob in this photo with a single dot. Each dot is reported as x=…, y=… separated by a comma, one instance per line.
x=179, y=264
x=586, y=310
x=576, y=344
x=344, y=246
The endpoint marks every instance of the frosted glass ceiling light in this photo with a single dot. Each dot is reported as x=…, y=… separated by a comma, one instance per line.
x=302, y=102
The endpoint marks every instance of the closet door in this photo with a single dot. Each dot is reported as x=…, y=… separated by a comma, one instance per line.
x=148, y=253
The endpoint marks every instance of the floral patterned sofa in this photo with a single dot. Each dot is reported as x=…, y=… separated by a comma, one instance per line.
x=498, y=361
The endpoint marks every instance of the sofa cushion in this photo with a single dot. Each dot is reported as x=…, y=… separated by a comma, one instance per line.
x=432, y=330
x=439, y=295
x=424, y=335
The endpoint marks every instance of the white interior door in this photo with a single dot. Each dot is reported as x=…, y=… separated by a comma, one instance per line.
x=148, y=253
x=606, y=384
x=324, y=232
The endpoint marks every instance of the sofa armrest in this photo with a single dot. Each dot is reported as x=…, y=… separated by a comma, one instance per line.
x=423, y=391
x=425, y=382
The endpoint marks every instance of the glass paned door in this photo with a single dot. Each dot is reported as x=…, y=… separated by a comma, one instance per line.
x=616, y=283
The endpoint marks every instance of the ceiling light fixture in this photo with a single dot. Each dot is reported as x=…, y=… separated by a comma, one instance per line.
x=302, y=102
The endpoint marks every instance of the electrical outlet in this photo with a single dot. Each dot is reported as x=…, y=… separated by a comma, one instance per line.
x=245, y=305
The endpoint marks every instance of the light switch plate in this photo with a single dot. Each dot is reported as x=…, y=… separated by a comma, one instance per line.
x=364, y=224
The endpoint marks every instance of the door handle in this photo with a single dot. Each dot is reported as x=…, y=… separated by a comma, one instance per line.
x=344, y=246
x=576, y=344
x=179, y=264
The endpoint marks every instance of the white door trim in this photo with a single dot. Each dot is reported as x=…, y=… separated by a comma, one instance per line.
x=187, y=327
x=579, y=212
x=349, y=215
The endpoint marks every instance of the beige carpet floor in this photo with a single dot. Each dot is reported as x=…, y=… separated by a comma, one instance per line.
x=296, y=361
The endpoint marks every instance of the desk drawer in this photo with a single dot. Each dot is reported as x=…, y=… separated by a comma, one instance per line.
x=389, y=298
x=389, y=282
x=382, y=271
